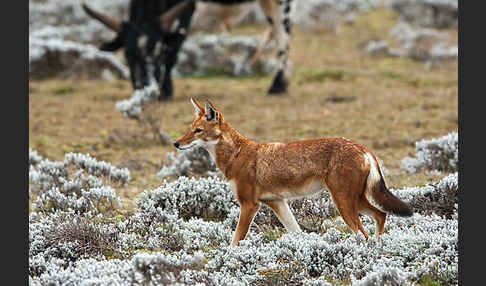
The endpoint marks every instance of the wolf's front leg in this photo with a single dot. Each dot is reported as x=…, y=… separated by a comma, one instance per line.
x=247, y=213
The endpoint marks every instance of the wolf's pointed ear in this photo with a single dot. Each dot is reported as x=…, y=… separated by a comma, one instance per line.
x=211, y=112
x=198, y=108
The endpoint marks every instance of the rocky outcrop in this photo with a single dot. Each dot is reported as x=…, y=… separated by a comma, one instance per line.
x=226, y=54
x=63, y=40
x=54, y=56
x=422, y=44
x=72, y=21
x=428, y=13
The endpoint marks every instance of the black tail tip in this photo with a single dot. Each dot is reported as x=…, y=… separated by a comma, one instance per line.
x=404, y=212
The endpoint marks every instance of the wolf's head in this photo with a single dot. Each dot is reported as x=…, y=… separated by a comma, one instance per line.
x=205, y=130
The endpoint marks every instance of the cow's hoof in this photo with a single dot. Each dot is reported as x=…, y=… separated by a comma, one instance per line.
x=165, y=96
x=166, y=91
x=279, y=85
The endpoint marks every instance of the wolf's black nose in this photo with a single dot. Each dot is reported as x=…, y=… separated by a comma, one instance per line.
x=176, y=144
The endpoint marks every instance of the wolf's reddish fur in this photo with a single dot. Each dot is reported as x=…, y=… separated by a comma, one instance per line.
x=272, y=173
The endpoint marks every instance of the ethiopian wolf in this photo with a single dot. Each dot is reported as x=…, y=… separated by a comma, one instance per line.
x=272, y=173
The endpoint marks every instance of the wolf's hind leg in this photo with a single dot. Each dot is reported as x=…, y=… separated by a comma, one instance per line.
x=365, y=207
x=284, y=214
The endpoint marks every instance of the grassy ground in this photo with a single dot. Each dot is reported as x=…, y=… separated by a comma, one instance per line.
x=337, y=90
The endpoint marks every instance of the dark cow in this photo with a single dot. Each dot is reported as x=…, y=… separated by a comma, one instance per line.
x=156, y=30
x=147, y=38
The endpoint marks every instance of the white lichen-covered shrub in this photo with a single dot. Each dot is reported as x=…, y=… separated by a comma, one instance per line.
x=437, y=154
x=179, y=234
x=34, y=157
x=440, y=198
x=64, y=237
x=336, y=255
x=133, y=106
x=207, y=198
x=385, y=276
x=195, y=161
x=159, y=269
x=77, y=183
x=412, y=251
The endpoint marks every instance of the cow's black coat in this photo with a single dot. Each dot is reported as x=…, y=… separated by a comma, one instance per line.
x=148, y=48
x=139, y=37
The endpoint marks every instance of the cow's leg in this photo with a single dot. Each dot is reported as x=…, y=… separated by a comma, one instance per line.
x=136, y=56
x=228, y=17
x=144, y=72
x=152, y=51
x=131, y=55
x=166, y=89
x=281, y=30
x=267, y=7
x=157, y=71
x=173, y=42
x=266, y=37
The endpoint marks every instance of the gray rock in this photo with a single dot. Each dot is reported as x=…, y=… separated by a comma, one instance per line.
x=133, y=106
x=421, y=44
x=378, y=48
x=316, y=14
x=442, y=52
x=58, y=57
x=107, y=75
x=415, y=43
x=70, y=15
x=428, y=13
x=202, y=54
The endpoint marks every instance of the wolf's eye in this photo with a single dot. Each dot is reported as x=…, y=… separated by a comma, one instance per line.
x=197, y=130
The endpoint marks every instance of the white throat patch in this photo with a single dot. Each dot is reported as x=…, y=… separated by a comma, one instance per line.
x=210, y=146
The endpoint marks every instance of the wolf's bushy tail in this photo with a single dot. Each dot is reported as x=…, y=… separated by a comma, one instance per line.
x=380, y=196
x=389, y=202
